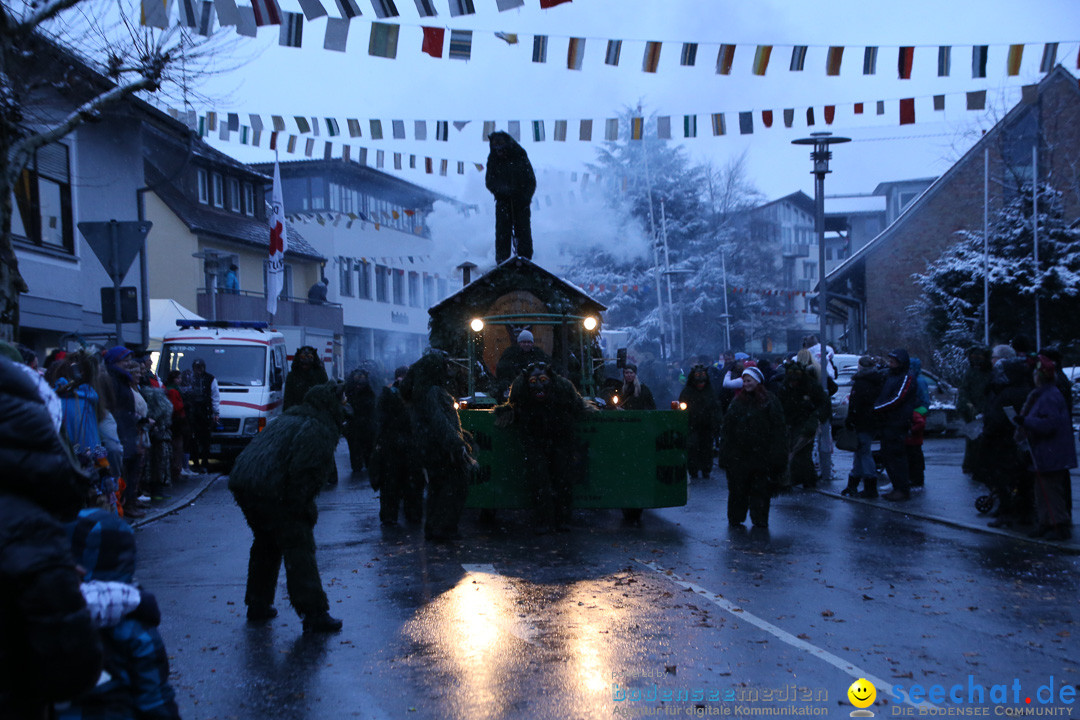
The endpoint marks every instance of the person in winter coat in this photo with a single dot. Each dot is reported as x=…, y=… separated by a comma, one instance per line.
x=893, y=409
x=120, y=364
x=634, y=394
x=203, y=403
x=1000, y=464
x=275, y=481
x=361, y=429
x=753, y=450
x=806, y=406
x=306, y=372
x=1044, y=423
x=704, y=417
x=865, y=388
x=516, y=358
x=394, y=473
x=511, y=180
x=440, y=447
x=971, y=402
x=50, y=651
x=913, y=443
x=179, y=425
x=135, y=657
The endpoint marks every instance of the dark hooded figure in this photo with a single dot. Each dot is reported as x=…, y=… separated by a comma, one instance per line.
x=362, y=428
x=441, y=447
x=306, y=372
x=511, y=180
x=545, y=409
x=393, y=471
x=49, y=649
x=275, y=481
x=704, y=415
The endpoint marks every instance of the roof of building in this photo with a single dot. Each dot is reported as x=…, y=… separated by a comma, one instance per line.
x=510, y=272
x=204, y=220
x=1057, y=75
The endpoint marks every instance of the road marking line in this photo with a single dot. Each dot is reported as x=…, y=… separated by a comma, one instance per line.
x=839, y=663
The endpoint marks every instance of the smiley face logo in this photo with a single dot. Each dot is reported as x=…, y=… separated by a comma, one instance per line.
x=862, y=693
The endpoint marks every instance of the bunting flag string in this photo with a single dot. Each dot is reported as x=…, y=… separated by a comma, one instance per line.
x=537, y=129
x=778, y=293
x=383, y=40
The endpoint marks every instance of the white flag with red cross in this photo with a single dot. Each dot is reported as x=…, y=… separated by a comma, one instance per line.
x=279, y=243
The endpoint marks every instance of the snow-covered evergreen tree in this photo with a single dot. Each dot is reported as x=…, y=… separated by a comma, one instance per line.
x=952, y=287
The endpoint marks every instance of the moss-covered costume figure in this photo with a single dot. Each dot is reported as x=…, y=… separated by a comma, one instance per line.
x=441, y=446
x=362, y=428
x=306, y=372
x=394, y=473
x=545, y=408
x=511, y=179
x=275, y=481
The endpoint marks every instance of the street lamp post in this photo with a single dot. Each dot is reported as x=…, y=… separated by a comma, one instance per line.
x=820, y=156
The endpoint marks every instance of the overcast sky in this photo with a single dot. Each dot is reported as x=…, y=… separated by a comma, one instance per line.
x=502, y=83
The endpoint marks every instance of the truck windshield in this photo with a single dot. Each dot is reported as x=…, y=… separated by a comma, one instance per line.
x=233, y=365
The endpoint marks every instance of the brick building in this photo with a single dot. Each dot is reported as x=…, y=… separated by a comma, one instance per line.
x=871, y=291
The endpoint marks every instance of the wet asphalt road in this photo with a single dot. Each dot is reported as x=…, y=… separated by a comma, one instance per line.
x=712, y=621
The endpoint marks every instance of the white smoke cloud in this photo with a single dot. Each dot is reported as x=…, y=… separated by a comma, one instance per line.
x=570, y=216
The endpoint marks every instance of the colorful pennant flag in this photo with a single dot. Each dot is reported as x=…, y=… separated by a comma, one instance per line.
x=155, y=13
x=539, y=54
x=1016, y=55
x=789, y=117
x=907, y=111
x=637, y=128
x=944, y=61
x=442, y=131
x=267, y=12
x=337, y=34
x=767, y=118
x=513, y=129
x=614, y=49
x=809, y=117
x=312, y=9
x=833, y=60
x=690, y=126
x=426, y=8
x=761, y=59
x=611, y=129
x=798, y=58
x=354, y=127
x=227, y=12
x=689, y=55
x=746, y=124
x=904, y=60
x=505, y=5
x=976, y=100
x=302, y=125
x=384, y=8
x=309, y=147
x=830, y=114
x=724, y=58
x=384, y=39
x=460, y=45
x=292, y=30
x=245, y=24
x=545, y=4
x=1049, y=57
x=575, y=53
x=508, y=38
x=869, y=61
x=397, y=129
x=663, y=127
x=978, y=61
x=652, y=56
x=206, y=18
x=939, y=102
x=858, y=108
x=538, y=131
x=376, y=129
x=420, y=130
x=189, y=13
x=585, y=131
x=461, y=7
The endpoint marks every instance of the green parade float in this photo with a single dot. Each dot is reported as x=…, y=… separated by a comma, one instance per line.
x=624, y=459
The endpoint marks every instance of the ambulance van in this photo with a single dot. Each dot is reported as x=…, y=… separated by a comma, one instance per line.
x=248, y=361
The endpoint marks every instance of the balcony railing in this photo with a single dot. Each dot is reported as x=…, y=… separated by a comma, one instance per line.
x=795, y=250
x=248, y=305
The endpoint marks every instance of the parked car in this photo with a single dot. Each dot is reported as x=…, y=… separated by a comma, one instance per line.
x=942, y=418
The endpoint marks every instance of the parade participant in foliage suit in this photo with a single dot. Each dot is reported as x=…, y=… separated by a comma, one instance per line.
x=511, y=180
x=394, y=473
x=306, y=372
x=753, y=450
x=275, y=481
x=545, y=408
x=440, y=445
x=361, y=429
x=704, y=415
x=805, y=407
